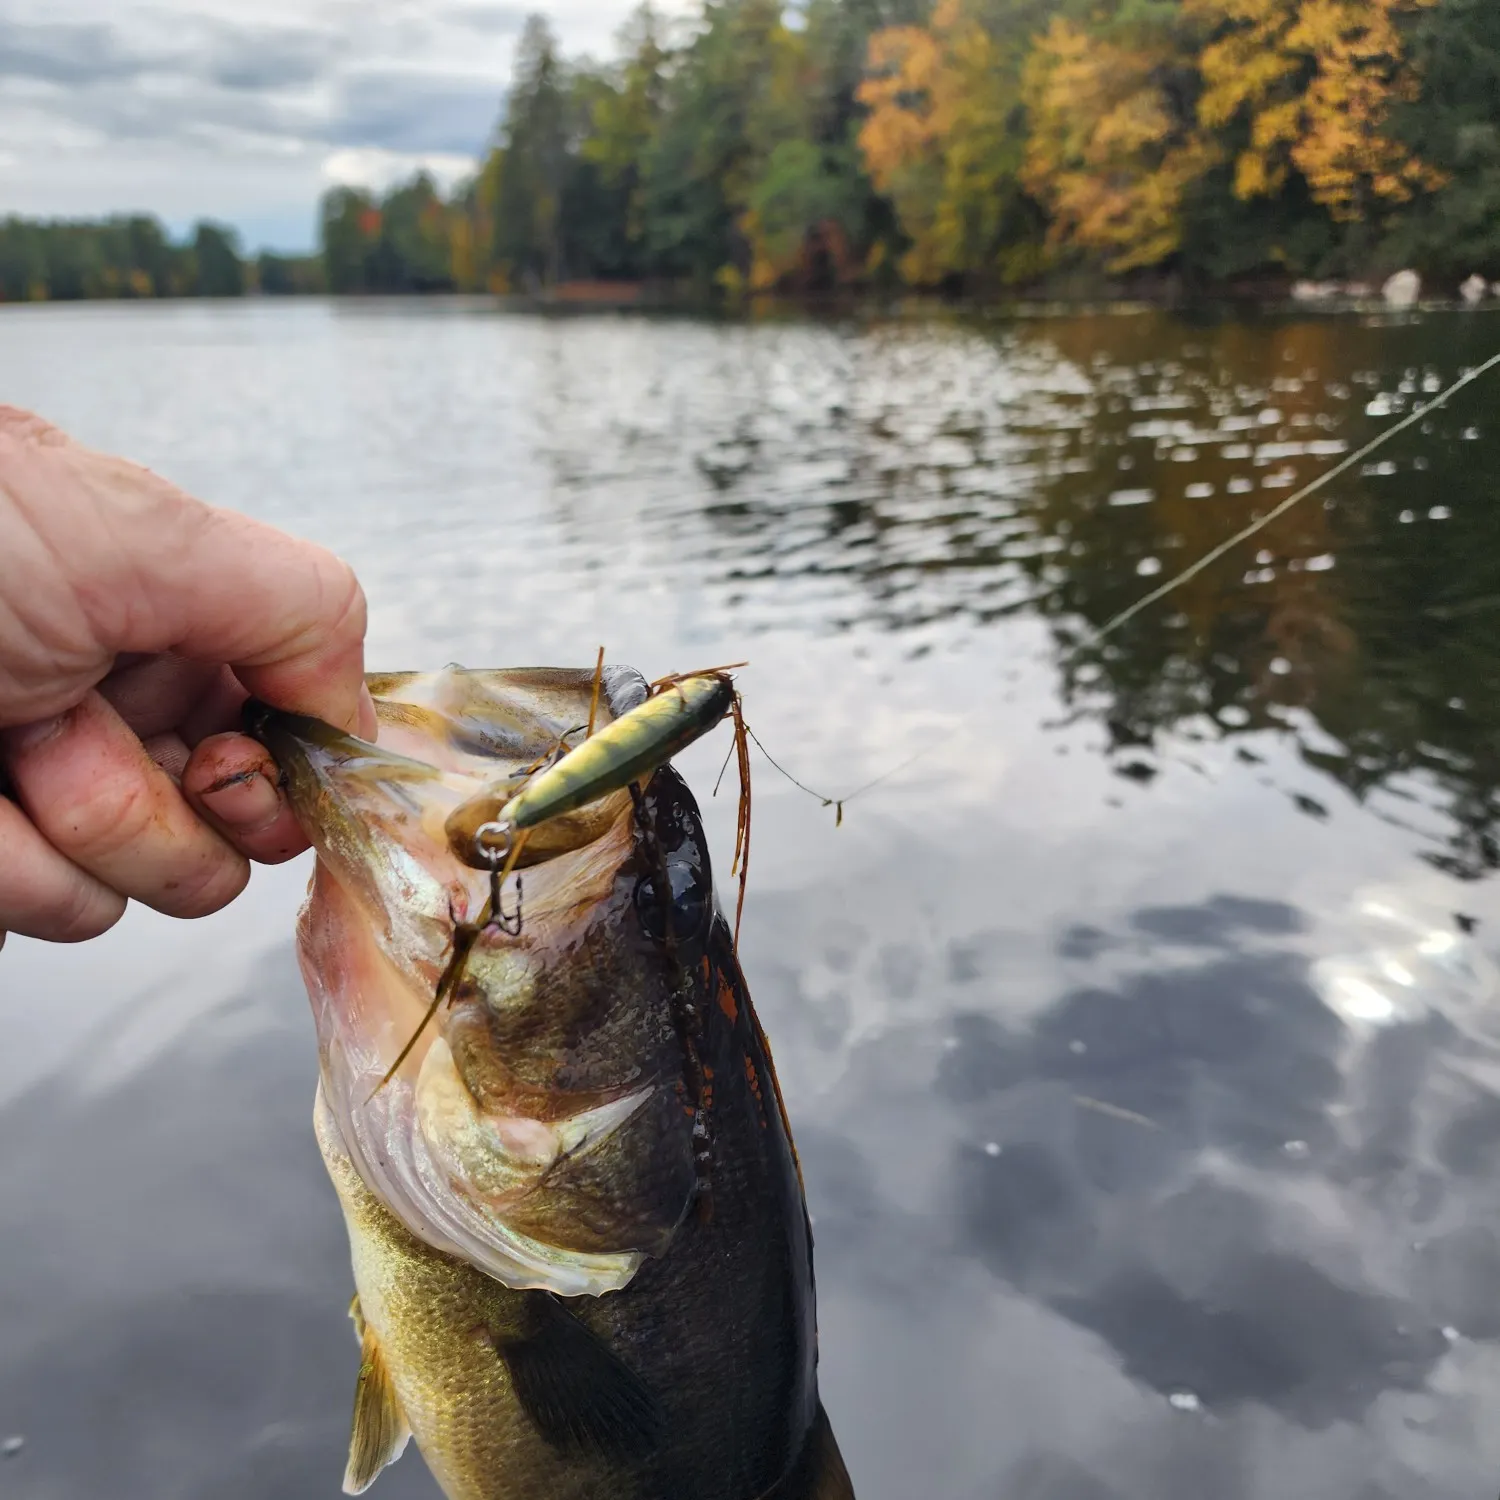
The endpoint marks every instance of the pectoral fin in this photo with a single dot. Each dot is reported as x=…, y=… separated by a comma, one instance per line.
x=577, y=1391
x=379, y=1432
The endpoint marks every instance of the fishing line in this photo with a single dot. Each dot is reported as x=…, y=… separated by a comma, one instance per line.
x=1192, y=571
x=1244, y=534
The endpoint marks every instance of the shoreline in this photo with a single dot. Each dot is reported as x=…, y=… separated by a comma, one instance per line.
x=563, y=302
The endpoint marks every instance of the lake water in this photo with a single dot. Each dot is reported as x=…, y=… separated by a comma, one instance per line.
x=1142, y=1036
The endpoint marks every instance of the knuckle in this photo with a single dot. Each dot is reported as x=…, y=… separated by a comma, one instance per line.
x=112, y=813
x=216, y=881
x=89, y=913
x=77, y=911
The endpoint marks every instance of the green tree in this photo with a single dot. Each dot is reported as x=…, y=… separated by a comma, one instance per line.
x=730, y=101
x=535, y=137
x=23, y=261
x=624, y=113
x=414, y=253
x=806, y=210
x=1454, y=124
x=220, y=271
x=349, y=234
x=288, y=275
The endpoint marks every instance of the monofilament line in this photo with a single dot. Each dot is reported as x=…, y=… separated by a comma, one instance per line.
x=1207, y=560
x=1215, y=553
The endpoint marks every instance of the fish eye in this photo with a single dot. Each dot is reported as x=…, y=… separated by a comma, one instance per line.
x=689, y=902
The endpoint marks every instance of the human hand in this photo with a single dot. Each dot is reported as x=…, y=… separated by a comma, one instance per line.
x=134, y=622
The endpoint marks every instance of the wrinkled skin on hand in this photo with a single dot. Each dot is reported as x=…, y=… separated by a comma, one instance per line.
x=134, y=622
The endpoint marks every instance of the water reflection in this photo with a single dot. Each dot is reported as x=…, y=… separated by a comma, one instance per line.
x=208, y=1360
x=1058, y=468
x=1145, y=1079
x=1194, y=1159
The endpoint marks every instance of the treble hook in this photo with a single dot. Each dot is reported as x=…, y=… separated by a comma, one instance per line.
x=492, y=844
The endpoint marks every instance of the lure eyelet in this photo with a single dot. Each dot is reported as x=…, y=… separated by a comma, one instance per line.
x=492, y=842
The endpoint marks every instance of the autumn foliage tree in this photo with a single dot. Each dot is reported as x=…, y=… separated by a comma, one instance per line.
x=943, y=138
x=746, y=146
x=1313, y=84
x=749, y=146
x=1114, y=145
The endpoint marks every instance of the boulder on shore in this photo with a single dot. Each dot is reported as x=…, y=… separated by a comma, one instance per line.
x=1402, y=290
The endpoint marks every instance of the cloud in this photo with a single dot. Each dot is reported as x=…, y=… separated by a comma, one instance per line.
x=240, y=58
x=402, y=111
x=371, y=167
x=495, y=20
x=214, y=51
x=67, y=54
x=184, y=106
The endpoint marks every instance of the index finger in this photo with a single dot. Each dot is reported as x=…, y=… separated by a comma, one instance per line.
x=150, y=569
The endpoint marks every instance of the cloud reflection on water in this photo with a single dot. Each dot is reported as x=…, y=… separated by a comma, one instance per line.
x=1147, y=1159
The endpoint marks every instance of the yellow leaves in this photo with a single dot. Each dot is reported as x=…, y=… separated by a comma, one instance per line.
x=1108, y=153
x=1125, y=114
x=938, y=139
x=770, y=260
x=462, y=262
x=1316, y=80
x=903, y=123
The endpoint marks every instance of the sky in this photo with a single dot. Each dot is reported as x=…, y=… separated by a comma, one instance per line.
x=245, y=111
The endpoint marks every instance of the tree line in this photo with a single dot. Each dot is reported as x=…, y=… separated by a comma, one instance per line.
x=971, y=145
x=134, y=256
x=968, y=145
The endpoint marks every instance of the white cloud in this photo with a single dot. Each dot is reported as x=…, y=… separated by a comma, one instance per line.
x=374, y=167
x=219, y=108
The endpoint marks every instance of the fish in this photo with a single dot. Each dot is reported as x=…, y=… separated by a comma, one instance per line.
x=580, y=1246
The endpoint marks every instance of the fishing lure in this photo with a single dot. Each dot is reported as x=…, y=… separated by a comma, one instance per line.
x=569, y=797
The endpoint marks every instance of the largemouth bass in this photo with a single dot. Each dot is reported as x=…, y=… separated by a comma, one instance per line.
x=581, y=1255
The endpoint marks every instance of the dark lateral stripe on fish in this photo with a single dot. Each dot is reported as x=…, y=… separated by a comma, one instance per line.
x=577, y=1391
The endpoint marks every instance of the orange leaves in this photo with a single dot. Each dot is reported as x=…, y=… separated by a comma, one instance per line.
x=1315, y=79
x=909, y=93
x=1109, y=153
x=904, y=123
x=939, y=141
x=1126, y=116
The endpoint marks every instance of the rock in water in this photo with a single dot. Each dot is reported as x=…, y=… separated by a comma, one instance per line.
x=1402, y=290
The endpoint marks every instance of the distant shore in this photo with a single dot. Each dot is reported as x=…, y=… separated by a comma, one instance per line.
x=1045, y=301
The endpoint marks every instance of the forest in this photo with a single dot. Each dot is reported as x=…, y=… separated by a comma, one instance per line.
x=967, y=146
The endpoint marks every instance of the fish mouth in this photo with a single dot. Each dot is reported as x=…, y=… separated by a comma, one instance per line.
x=534, y=1126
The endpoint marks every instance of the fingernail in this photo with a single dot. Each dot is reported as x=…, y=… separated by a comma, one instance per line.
x=24, y=738
x=369, y=724
x=246, y=803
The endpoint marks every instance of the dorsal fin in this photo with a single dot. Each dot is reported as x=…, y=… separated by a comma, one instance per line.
x=379, y=1432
